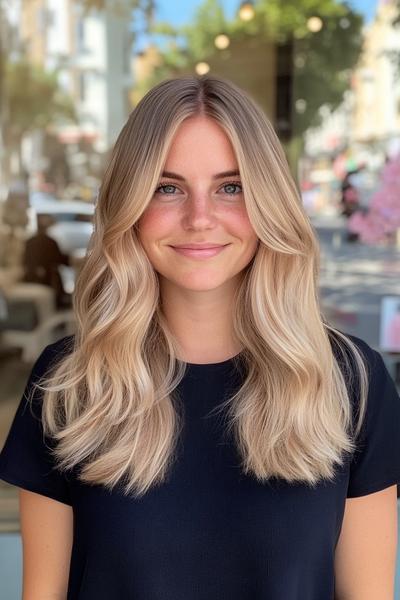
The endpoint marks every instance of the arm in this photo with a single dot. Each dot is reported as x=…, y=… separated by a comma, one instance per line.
x=47, y=531
x=365, y=554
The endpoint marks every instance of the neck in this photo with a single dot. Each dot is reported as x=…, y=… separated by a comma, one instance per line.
x=201, y=321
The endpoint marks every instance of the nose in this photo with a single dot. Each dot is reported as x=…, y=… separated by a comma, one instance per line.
x=199, y=211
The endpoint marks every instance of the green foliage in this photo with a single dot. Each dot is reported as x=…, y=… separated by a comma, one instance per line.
x=327, y=58
x=289, y=18
x=34, y=99
x=322, y=60
x=210, y=21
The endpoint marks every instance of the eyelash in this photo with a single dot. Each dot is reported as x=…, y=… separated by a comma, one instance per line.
x=225, y=184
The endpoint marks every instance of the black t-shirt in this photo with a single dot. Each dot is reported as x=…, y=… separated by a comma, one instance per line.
x=210, y=532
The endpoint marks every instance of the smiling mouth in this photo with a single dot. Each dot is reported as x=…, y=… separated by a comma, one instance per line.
x=199, y=247
x=199, y=252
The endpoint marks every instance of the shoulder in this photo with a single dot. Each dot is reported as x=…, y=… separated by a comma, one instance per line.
x=366, y=371
x=376, y=463
x=342, y=344
x=52, y=354
x=383, y=401
x=63, y=345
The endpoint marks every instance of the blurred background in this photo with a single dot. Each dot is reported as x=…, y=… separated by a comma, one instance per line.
x=327, y=73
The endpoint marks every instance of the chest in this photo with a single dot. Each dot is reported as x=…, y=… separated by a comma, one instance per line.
x=208, y=507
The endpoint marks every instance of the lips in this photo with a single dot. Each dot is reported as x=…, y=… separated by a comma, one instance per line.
x=198, y=246
x=201, y=252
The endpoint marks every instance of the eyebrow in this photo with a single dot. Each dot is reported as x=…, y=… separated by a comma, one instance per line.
x=171, y=175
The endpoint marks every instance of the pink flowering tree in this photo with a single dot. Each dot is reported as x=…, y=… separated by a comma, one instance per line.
x=380, y=222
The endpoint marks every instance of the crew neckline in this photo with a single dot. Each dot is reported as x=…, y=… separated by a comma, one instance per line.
x=213, y=366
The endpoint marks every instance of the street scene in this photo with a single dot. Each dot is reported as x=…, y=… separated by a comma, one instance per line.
x=326, y=72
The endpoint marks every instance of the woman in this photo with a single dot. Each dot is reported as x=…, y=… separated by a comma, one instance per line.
x=207, y=435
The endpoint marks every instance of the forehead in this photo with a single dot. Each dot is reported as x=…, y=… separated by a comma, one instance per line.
x=200, y=144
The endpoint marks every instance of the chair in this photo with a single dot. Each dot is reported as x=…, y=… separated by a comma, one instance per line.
x=32, y=318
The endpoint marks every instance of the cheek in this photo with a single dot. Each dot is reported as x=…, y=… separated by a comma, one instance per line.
x=155, y=224
x=240, y=223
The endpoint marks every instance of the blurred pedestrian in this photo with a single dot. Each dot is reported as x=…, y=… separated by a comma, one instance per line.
x=42, y=258
x=350, y=200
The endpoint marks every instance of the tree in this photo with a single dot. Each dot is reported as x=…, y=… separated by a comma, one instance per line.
x=17, y=115
x=322, y=60
x=35, y=101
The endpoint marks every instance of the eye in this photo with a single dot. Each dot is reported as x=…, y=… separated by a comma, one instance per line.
x=230, y=185
x=170, y=189
x=164, y=186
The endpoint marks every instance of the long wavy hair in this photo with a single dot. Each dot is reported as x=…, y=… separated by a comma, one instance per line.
x=110, y=403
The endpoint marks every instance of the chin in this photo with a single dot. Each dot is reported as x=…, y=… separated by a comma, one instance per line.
x=204, y=285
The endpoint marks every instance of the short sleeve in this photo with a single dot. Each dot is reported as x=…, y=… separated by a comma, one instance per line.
x=25, y=460
x=376, y=463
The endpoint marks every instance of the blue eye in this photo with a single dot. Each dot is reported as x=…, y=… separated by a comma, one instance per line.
x=166, y=185
x=232, y=184
x=167, y=188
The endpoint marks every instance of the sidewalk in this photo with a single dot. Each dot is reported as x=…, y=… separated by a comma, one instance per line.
x=354, y=278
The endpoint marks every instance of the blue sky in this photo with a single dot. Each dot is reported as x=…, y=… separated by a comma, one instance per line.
x=179, y=12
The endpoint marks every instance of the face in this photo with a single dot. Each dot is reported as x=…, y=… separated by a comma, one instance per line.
x=196, y=203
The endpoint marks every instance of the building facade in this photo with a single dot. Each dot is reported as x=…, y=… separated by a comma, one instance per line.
x=92, y=54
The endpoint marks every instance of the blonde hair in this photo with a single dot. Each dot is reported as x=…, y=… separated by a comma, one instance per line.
x=111, y=403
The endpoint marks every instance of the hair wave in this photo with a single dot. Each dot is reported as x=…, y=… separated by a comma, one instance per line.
x=111, y=403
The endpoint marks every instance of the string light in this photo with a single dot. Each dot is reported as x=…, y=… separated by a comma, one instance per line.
x=246, y=11
x=202, y=68
x=314, y=24
x=222, y=41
